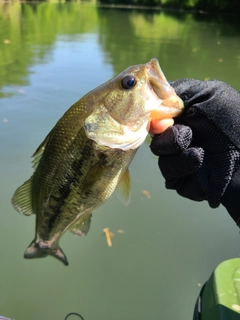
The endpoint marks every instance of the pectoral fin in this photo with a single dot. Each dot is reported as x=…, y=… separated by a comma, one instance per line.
x=93, y=175
x=124, y=188
x=81, y=228
x=22, y=198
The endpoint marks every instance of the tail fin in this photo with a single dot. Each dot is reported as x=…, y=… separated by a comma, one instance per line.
x=36, y=250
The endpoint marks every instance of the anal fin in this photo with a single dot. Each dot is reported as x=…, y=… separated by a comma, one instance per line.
x=22, y=198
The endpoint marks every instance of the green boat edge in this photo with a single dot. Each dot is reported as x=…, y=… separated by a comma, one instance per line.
x=219, y=298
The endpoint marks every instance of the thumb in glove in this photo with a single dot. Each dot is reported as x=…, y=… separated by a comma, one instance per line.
x=176, y=159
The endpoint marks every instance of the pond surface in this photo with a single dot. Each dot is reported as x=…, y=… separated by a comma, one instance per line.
x=51, y=54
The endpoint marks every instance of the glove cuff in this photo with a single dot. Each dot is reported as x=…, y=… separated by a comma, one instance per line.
x=231, y=198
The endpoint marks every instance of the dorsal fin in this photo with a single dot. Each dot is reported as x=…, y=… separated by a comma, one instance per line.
x=22, y=198
x=38, y=153
x=124, y=188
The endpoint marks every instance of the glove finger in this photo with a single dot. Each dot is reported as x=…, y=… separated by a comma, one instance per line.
x=187, y=187
x=173, y=140
x=174, y=166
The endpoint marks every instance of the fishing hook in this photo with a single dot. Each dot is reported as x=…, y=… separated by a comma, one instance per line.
x=74, y=314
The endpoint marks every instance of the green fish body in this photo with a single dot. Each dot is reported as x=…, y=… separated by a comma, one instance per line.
x=87, y=154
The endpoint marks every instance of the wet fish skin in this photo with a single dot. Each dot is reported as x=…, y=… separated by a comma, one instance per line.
x=78, y=189
x=87, y=154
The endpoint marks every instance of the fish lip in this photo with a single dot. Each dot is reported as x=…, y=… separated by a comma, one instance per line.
x=157, y=80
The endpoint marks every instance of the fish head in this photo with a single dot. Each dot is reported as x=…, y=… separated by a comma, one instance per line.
x=140, y=92
x=128, y=103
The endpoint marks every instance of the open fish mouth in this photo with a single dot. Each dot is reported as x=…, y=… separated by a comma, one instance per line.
x=171, y=105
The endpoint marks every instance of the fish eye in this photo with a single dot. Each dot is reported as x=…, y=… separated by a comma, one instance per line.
x=128, y=82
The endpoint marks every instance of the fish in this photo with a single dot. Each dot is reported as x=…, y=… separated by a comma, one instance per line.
x=86, y=155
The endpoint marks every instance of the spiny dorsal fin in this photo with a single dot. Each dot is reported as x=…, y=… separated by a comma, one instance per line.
x=22, y=198
x=38, y=153
x=124, y=188
x=82, y=228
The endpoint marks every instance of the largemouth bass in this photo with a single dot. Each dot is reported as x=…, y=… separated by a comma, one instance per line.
x=87, y=154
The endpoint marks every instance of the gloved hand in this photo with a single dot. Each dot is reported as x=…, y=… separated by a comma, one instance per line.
x=199, y=156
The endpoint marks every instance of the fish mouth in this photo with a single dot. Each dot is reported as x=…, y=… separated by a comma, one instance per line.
x=171, y=105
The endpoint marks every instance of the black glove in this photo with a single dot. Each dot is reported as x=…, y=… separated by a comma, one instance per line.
x=199, y=156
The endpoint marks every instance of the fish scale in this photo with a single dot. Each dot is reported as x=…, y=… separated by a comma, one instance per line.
x=87, y=154
x=85, y=193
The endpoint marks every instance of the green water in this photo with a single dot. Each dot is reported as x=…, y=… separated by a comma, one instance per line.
x=52, y=54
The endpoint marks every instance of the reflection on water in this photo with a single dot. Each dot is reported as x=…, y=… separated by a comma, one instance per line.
x=50, y=55
x=28, y=35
